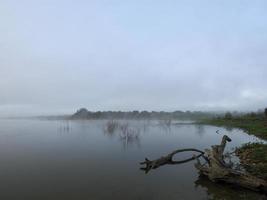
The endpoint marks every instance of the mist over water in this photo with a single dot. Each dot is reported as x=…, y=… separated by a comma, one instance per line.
x=44, y=159
x=88, y=89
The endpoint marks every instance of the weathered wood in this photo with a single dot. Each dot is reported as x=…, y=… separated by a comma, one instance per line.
x=215, y=167
x=218, y=170
x=168, y=159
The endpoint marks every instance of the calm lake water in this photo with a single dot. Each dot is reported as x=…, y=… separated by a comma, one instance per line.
x=44, y=159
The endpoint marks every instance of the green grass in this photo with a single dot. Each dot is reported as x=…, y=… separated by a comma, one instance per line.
x=253, y=157
x=252, y=125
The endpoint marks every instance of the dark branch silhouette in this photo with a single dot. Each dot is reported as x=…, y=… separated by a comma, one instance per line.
x=215, y=167
x=168, y=159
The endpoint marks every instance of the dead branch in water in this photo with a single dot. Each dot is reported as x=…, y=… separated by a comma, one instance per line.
x=215, y=167
x=168, y=159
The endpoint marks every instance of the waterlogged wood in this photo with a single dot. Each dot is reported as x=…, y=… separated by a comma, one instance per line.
x=168, y=159
x=215, y=167
x=217, y=170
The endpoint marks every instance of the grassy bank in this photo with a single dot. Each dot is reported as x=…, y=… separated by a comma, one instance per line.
x=253, y=156
x=252, y=125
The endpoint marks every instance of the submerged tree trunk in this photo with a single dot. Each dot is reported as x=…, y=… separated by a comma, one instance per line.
x=215, y=167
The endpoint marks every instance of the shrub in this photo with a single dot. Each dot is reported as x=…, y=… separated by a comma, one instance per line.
x=228, y=115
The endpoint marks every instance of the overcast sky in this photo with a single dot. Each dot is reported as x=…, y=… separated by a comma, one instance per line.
x=57, y=55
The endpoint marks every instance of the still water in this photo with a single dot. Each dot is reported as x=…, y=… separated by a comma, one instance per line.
x=45, y=159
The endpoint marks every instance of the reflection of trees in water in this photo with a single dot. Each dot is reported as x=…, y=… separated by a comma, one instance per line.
x=145, y=125
x=165, y=124
x=130, y=136
x=111, y=127
x=200, y=130
x=65, y=126
x=127, y=135
x=229, y=129
x=220, y=191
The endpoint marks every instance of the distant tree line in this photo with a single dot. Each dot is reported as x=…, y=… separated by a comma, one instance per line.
x=260, y=114
x=83, y=113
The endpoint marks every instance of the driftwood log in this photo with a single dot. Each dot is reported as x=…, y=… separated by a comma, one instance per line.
x=215, y=167
x=168, y=159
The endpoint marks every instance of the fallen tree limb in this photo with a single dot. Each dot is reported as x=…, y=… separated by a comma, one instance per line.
x=215, y=167
x=219, y=171
x=168, y=159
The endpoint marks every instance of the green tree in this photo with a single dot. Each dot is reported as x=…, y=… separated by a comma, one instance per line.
x=228, y=115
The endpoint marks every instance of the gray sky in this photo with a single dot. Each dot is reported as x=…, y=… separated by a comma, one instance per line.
x=57, y=55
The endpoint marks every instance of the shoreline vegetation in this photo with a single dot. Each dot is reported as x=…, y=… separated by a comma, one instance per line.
x=252, y=123
x=84, y=114
x=253, y=156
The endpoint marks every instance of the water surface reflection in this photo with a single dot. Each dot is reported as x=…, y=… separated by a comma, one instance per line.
x=78, y=160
